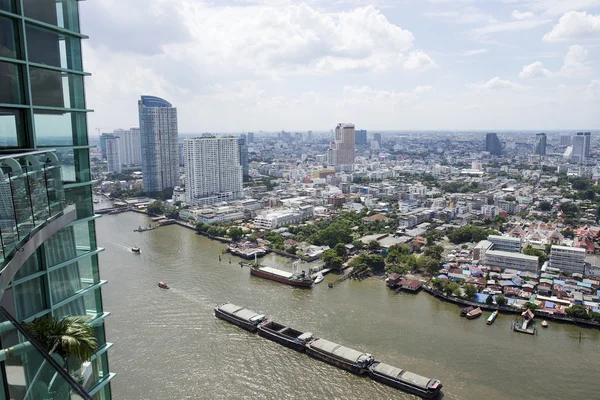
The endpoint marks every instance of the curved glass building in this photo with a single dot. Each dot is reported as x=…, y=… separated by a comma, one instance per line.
x=48, y=248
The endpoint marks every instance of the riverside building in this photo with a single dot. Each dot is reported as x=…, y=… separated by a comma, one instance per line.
x=48, y=249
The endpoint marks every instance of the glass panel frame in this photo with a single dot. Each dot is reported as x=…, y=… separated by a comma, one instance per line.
x=60, y=128
x=12, y=128
x=61, y=13
x=53, y=48
x=51, y=88
x=11, y=87
x=9, y=47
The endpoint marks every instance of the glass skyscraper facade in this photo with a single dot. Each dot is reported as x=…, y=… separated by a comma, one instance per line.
x=49, y=253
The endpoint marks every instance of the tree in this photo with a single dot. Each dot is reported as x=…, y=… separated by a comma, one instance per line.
x=341, y=251
x=501, y=300
x=568, y=233
x=470, y=291
x=528, y=306
x=338, y=232
x=235, y=233
x=578, y=311
x=489, y=300
x=292, y=249
x=450, y=287
x=155, y=208
x=434, y=252
x=545, y=206
x=540, y=254
x=373, y=245
x=376, y=262
x=201, y=227
x=332, y=260
x=510, y=198
x=428, y=264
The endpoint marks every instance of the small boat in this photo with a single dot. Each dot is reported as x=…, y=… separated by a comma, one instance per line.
x=544, y=324
x=284, y=335
x=163, y=285
x=240, y=316
x=135, y=250
x=319, y=279
x=404, y=380
x=492, y=318
x=96, y=201
x=466, y=310
x=476, y=313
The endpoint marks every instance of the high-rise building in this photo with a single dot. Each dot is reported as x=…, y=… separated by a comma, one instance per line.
x=181, y=155
x=213, y=171
x=341, y=151
x=48, y=248
x=103, y=138
x=244, y=157
x=130, y=146
x=588, y=139
x=578, y=154
x=159, y=142
x=360, y=137
x=377, y=138
x=540, y=144
x=113, y=155
x=565, y=140
x=250, y=137
x=493, y=144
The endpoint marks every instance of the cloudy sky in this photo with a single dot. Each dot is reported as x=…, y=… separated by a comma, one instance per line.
x=247, y=65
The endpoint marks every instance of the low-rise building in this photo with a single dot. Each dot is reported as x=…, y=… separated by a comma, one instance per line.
x=505, y=243
x=567, y=259
x=507, y=259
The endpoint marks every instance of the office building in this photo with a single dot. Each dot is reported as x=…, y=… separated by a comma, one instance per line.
x=567, y=259
x=377, y=138
x=565, y=140
x=579, y=148
x=360, y=137
x=48, y=251
x=493, y=144
x=250, y=137
x=587, y=140
x=505, y=243
x=540, y=144
x=159, y=142
x=213, y=170
x=103, y=138
x=243, y=147
x=341, y=151
x=130, y=146
x=181, y=155
x=113, y=155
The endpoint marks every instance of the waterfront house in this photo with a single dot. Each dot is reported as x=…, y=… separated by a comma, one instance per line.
x=409, y=285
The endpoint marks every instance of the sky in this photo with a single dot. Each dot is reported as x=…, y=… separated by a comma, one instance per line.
x=250, y=65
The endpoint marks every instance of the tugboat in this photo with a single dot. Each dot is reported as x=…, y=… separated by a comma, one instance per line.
x=135, y=250
x=163, y=285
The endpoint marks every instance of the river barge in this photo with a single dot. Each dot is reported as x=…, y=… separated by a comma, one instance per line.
x=240, y=316
x=476, y=313
x=466, y=310
x=284, y=335
x=297, y=279
x=404, y=380
x=340, y=356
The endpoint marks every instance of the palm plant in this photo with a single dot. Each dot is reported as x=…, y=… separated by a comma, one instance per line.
x=70, y=337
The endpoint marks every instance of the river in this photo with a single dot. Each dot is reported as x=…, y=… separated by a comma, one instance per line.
x=169, y=345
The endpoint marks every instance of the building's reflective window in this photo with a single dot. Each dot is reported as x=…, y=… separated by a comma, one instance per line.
x=57, y=128
x=8, y=45
x=10, y=83
x=56, y=89
x=62, y=13
x=7, y=5
x=51, y=48
x=11, y=127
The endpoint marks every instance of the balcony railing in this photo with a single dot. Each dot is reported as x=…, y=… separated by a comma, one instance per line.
x=30, y=370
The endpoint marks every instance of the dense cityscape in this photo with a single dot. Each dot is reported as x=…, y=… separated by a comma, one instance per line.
x=390, y=261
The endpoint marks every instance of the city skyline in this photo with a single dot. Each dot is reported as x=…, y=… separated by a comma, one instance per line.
x=493, y=66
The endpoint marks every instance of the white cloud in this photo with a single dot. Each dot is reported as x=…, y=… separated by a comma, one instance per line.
x=574, y=25
x=516, y=14
x=512, y=26
x=494, y=84
x=574, y=63
x=418, y=60
x=461, y=14
x=535, y=70
x=424, y=89
x=469, y=53
x=593, y=89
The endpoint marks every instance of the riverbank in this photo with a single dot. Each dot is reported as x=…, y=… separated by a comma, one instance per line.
x=509, y=310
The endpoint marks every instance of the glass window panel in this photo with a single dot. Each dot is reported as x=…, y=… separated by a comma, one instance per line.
x=31, y=266
x=38, y=193
x=75, y=165
x=60, y=247
x=82, y=198
x=7, y=5
x=8, y=223
x=83, y=237
x=62, y=13
x=22, y=204
x=11, y=128
x=30, y=298
x=10, y=83
x=8, y=46
x=52, y=48
x=56, y=89
x=84, y=306
x=60, y=128
x=64, y=282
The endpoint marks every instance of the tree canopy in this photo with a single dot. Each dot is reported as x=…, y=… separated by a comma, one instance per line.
x=470, y=233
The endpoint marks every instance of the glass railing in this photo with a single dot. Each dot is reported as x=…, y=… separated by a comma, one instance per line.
x=30, y=372
x=31, y=193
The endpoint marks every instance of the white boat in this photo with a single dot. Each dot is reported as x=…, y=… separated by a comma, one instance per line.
x=544, y=324
x=319, y=279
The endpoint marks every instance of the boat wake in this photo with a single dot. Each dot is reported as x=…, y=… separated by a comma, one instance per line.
x=120, y=246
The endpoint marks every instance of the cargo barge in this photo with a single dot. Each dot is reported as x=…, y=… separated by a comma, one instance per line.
x=404, y=380
x=297, y=279
x=340, y=356
x=240, y=316
x=284, y=335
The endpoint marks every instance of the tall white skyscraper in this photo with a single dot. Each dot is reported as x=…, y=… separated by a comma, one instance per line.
x=212, y=170
x=158, y=139
x=579, y=148
x=341, y=151
x=113, y=155
x=131, y=146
